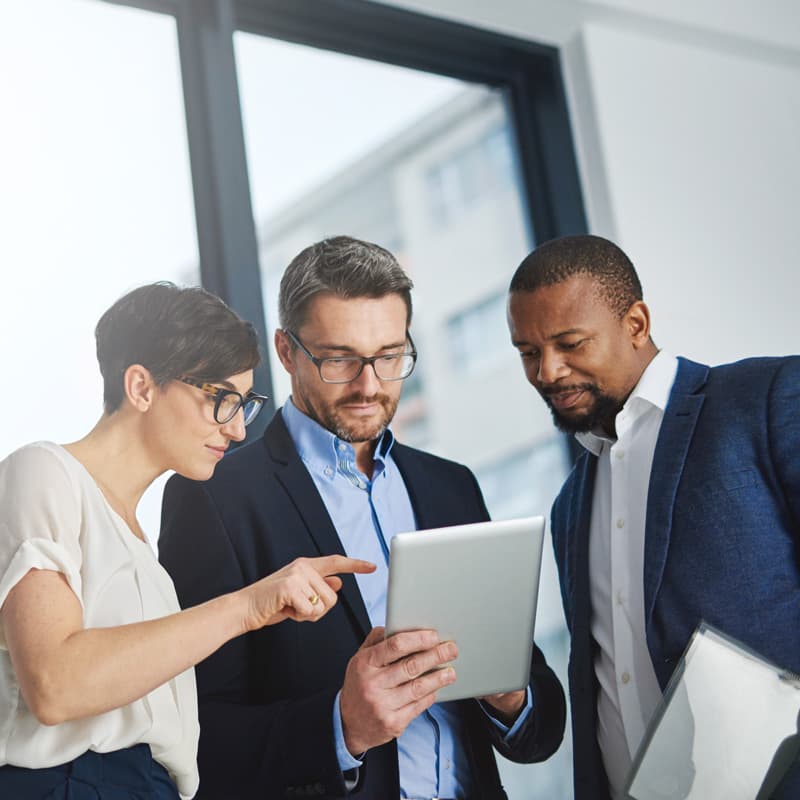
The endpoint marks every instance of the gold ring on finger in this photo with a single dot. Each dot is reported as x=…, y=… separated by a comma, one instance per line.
x=314, y=599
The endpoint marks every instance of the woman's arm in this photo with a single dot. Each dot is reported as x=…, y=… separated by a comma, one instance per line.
x=67, y=672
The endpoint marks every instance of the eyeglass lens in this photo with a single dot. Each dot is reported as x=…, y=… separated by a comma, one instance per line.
x=392, y=367
x=229, y=404
x=251, y=409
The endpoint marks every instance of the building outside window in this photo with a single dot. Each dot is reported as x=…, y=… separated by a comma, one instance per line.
x=479, y=334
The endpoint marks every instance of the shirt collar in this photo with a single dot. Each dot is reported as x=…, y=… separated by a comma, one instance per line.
x=318, y=447
x=652, y=390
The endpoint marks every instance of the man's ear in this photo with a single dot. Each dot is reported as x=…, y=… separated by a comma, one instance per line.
x=140, y=388
x=637, y=322
x=285, y=350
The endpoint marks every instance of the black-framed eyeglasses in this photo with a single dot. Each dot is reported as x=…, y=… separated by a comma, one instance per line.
x=344, y=369
x=228, y=402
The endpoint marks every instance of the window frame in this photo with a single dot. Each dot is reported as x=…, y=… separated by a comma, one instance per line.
x=529, y=73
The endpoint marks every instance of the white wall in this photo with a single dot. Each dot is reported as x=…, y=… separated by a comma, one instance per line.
x=687, y=123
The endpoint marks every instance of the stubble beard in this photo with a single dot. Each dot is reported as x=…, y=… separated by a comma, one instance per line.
x=332, y=418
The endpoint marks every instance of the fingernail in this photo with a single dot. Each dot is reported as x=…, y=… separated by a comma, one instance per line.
x=450, y=675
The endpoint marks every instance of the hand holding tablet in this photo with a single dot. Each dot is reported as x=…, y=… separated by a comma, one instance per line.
x=390, y=682
x=475, y=585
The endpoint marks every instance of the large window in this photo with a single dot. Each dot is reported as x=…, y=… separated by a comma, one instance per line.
x=303, y=118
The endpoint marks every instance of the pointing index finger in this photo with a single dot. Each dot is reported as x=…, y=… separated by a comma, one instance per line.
x=337, y=564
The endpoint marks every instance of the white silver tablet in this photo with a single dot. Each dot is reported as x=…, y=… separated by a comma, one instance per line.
x=477, y=585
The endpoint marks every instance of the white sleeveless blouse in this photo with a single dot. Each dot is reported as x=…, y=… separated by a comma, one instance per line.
x=54, y=516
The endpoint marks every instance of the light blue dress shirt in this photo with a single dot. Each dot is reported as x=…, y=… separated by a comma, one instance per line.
x=367, y=513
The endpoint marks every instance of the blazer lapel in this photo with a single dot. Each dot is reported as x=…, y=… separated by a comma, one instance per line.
x=298, y=484
x=578, y=555
x=672, y=446
x=418, y=489
x=432, y=509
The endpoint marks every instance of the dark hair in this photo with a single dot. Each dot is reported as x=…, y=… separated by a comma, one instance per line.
x=606, y=264
x=344, y=267
x=173, y=332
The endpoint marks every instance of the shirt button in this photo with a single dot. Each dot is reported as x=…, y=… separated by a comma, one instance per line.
x=620, y=523
x=626, y=678
x=342, y=448
x=619, y=598
x=620, y=454
x=447, y=763
x=328, y=471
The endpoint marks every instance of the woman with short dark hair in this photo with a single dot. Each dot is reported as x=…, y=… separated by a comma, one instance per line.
x=96, y=685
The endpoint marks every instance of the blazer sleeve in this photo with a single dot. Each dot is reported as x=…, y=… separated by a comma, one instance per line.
x=543, y=731
x=784, y=434
x=247, y=749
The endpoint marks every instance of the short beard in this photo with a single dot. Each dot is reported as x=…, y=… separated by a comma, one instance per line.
x=601, y=414
x=330, y=418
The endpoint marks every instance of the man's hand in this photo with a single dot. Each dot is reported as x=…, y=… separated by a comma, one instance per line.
x=506, y=705
x=389, y=682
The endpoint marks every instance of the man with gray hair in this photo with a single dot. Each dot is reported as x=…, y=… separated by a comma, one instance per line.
x=335, y=708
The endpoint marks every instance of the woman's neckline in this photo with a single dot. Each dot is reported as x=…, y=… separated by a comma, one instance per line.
x=106, y=500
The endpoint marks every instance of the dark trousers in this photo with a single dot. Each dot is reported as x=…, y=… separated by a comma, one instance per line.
x=129, y=774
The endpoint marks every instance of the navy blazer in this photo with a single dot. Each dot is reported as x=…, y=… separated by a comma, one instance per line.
x=266, y=698
x=722, y=535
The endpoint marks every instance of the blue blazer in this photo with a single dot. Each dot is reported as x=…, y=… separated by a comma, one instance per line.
x=266, y=698
x=722, y=537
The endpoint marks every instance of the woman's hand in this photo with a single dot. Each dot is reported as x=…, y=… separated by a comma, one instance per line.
x=304, y=590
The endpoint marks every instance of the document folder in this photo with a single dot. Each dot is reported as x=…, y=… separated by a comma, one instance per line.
x=728, y=727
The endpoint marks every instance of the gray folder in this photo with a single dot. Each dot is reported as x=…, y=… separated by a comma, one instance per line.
x=728, y=727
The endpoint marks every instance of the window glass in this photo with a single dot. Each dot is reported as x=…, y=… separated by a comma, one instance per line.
x=96, y=199
x=479, y=334
x=480, y=168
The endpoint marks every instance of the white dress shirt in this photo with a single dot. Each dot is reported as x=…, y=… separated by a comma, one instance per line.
x=53, y=516
x=628, y=691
